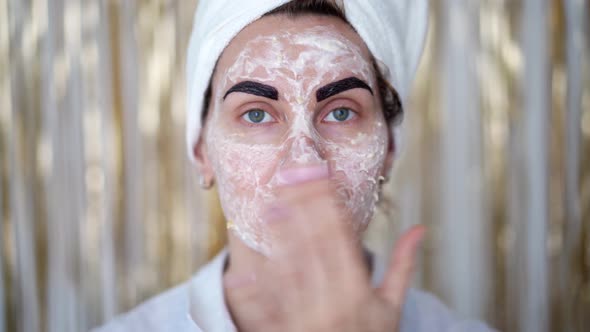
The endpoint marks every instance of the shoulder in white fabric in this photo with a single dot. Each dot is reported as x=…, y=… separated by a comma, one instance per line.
x=167, y=312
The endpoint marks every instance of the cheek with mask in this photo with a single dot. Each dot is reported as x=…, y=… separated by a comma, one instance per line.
x=251, y=139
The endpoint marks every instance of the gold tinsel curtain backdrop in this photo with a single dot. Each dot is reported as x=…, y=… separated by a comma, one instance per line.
x=100, y=208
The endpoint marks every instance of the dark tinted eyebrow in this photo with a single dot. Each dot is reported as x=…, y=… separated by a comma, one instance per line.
x=337, y=87
x=254, y=88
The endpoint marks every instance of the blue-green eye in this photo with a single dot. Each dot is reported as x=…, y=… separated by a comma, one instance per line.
x=339, y=115
x=257, y=116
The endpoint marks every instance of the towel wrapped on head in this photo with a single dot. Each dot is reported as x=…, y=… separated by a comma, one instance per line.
x=393, y=30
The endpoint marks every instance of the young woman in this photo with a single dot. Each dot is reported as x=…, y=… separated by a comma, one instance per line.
x=291, y=113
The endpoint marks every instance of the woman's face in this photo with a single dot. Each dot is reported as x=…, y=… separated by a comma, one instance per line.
x=289, y=93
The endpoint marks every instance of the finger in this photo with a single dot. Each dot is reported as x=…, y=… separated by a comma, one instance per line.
x=279, y=214
x=309, y=191
x=302, y=217
x=293, y=259
x=401, y=267
x=318, y=223
x=289, y=217
x=314, y=251
x=313, y=233
x=333, y=257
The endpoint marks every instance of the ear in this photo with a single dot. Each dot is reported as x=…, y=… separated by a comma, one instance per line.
x=202, y=161
x=390, y=153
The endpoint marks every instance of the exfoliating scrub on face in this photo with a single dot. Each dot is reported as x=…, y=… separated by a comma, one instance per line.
x=291, y=99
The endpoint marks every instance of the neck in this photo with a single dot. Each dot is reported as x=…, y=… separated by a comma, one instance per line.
x=241, y=258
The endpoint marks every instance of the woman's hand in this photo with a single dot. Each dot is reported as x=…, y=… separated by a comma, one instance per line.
x=316, y=278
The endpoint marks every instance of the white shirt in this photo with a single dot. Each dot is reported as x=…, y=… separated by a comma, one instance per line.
x=198, y=305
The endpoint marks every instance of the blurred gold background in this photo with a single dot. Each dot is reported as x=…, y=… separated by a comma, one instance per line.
x=101, y=209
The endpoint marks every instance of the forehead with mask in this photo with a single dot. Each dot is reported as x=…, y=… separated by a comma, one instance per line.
x=284, y=99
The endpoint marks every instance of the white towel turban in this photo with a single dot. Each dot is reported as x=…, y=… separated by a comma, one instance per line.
x=394, y=31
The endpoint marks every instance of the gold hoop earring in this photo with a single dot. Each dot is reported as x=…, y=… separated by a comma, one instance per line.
x=380, y=181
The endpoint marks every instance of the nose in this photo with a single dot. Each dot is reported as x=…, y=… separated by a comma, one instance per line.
x=302, y=150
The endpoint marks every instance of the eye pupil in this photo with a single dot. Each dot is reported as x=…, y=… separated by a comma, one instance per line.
x=341, y=114
x=256, y=116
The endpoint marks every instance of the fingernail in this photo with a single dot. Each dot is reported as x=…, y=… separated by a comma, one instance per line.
x=302, y=174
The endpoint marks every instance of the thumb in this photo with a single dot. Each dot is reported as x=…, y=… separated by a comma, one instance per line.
x=401, y=266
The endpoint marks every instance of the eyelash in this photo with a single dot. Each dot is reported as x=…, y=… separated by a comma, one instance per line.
x=351, y=115
x=272, y=119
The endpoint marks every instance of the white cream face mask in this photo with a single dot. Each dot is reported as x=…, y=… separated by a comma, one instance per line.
x=251, y=138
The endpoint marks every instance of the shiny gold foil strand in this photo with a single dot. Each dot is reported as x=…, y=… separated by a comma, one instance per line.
x=532, y=229
x=56, y=69
x=5, y=108
x=95, y=172
x=146, y=22
x=180, y=236
x=576, y=42
x=463, y=265
x=499, y=62
x=80, y=121
x=219, y=225
x=107, y=302
x=133, y=150
x=66, y=308
x=20, y=174
x=583, y=256
x=173, y=136
x=513, y=58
